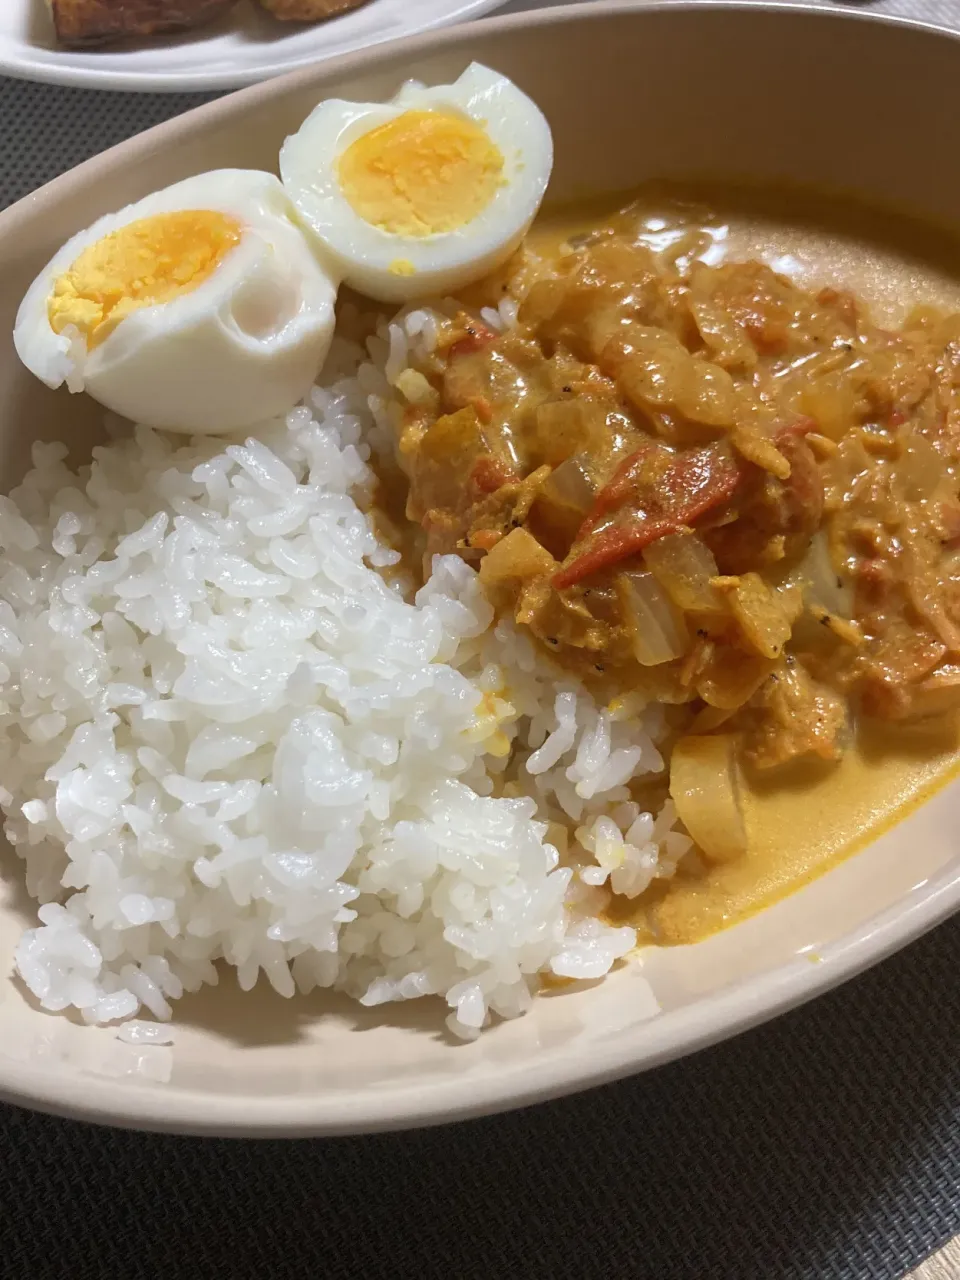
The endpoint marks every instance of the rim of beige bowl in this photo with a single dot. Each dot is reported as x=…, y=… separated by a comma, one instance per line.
x=696, y=1026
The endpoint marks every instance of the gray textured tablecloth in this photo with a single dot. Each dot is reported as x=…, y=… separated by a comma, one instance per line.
x=823, y=1147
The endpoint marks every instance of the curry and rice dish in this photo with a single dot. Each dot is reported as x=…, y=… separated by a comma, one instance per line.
x=448, y=649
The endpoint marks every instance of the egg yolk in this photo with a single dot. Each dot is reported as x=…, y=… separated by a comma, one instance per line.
x=149, y=261
x=422, y=173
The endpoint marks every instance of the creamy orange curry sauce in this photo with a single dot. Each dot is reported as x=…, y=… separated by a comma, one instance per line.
x=715, y=464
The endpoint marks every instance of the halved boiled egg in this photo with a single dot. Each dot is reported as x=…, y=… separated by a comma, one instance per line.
x=425, y=193
x=200, y=308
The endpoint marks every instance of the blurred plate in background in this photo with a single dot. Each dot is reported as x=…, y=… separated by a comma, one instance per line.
x=244, y=46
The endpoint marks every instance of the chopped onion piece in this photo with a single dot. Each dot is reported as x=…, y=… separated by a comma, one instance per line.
x=568, y=427
x=517, y=557
x=820, y=580
x=830, y=401
x=763, y=620
x=658, y=629
x=705, y=787
x=920, y=469
x=732, y=677
x=570, y=485
x=684, y=566
x=709, y=718
x=724, y=337
x=542, y=301
x=708, y=395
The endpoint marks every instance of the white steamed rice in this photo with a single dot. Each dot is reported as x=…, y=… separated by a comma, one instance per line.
x=226, y=737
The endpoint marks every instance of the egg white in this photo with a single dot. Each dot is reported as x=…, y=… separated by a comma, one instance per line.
x=362, y=253
x=242, y=346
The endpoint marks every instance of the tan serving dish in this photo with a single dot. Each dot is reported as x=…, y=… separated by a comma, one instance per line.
x=632, y=91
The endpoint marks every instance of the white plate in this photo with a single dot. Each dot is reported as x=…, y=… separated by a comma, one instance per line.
x=607, y=77
x=244, y=46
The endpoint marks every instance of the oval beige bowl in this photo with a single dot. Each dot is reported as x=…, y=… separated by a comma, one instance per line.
x=631, y=92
